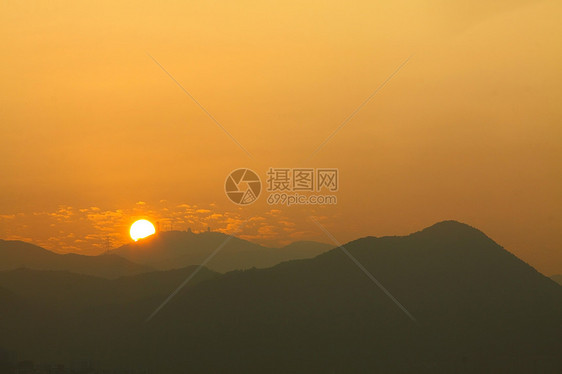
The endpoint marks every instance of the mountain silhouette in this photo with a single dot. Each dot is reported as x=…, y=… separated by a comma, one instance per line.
x=17, y=254
x=477, y=309
x=176, y=249
x=557, y=278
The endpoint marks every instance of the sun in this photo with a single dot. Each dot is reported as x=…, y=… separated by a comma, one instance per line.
x=141, y=229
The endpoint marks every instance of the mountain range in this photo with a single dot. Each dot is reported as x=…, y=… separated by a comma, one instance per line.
x=164, y=251
x=17, y=254
x=476, y=309
x=175, y=249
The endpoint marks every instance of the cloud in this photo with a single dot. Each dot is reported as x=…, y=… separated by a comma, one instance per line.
x=87, y=229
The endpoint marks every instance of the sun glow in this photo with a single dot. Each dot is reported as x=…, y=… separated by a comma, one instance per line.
x=141, y=229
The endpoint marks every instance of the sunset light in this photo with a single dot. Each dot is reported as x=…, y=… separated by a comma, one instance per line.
x=281, y=187
x=141, y=229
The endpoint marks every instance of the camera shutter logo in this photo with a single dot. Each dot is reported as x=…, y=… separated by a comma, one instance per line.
x=242, y=186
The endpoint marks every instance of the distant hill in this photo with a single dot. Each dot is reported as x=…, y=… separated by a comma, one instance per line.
x=176, y=249
x=557, y=278
x=478, y=309
x=296, y=250
x=17, y=254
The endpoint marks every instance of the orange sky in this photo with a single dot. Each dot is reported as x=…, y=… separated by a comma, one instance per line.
x=95, y=134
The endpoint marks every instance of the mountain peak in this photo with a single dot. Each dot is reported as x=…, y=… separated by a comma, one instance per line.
x=451, y=225
x=453, y=230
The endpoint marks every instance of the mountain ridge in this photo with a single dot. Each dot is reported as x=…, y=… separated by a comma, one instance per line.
x=478, y=308
x=472, y=299
x=170, y=249
x=16, y=254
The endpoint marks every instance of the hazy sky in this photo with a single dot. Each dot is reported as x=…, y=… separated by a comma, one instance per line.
x=95, y=134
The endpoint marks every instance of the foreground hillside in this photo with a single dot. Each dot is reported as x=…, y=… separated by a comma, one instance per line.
x=477, y=309
x=70, y=292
